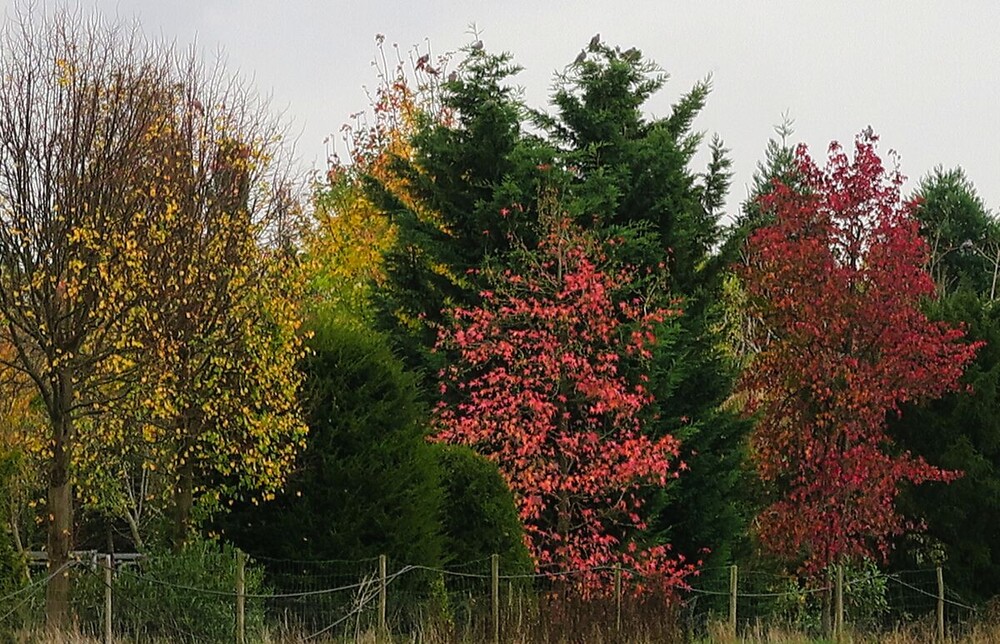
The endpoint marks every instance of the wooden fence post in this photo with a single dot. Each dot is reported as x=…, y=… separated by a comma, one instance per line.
x=107, y=599
x=495, y=588
x=240, y=597
x=838, y=615
x=940, y=604
x=618, y=600
x=382, y=582
x=733, y=577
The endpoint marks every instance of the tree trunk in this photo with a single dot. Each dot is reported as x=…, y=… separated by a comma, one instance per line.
x=133, y=527
x=60, y=534
x=189, y=425
x=183, y=502
x=15, y=531
x=826, y=616
x=60, y=503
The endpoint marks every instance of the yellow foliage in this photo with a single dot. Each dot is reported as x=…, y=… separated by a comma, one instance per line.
x=351, y=235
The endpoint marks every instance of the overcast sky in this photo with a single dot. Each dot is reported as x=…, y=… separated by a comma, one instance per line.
x=924, y=75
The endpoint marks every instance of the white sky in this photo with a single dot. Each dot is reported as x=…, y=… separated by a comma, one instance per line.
x=925, y=75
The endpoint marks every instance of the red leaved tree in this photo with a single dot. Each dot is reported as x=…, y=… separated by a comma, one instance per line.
x=836, y=283
x=539, y=385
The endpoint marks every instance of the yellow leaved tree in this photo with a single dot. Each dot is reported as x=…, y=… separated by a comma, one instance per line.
x=148, y=287
x=215, y=413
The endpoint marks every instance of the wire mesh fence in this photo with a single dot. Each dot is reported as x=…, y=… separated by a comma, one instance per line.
x=216, y=598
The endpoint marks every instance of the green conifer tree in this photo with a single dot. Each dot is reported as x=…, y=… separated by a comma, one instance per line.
x=963, y=236
x=631, y=179
x=959, y=432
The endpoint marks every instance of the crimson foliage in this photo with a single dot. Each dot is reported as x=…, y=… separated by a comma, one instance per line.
x=539, y=386
x=835, y=284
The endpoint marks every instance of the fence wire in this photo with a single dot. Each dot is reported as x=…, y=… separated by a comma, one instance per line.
x=338, y=600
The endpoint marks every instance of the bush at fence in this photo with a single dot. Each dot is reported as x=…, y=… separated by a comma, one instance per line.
x=12, y=579
x=866, y=601
x=478, y=514
x=13, y=568
x=184, y=596
x=12, y=565
x=866, y=595
x=367, y=483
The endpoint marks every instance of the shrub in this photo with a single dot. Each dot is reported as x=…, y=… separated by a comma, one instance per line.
x=367, y=483
x=185, y=596
x=13, y=569
x=479, y=517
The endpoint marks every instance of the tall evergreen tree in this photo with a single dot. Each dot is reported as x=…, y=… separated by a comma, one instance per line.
x=456, y=207
x=960, y=432
x=630, y=176
x=776, y=168
x=631, y=168
x=963, y=236
x=734, y=327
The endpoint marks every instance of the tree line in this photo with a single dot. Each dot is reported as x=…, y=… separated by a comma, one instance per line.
x=493, y=328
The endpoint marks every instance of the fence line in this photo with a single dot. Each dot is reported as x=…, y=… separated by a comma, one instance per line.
x=934, y=596
x=234, y=593
x=471, y=599
x=369, y=597
x=894, y=577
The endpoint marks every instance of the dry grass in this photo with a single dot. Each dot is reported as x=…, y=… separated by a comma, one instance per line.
x=916, y=633
x=921, y=632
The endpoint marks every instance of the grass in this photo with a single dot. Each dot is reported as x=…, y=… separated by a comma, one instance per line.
x=914, y=634
x=583, y=627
